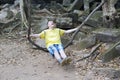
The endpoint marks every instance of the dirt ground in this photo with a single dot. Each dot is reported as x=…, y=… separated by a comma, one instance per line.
x=18, y=61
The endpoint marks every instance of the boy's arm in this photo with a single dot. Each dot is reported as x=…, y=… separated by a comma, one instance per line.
x=71, y=30
x=40, y=35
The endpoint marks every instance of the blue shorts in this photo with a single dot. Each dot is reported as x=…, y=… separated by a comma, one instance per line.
x=52, y=48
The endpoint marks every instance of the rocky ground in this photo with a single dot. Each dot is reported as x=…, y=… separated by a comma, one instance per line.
x=18, y=61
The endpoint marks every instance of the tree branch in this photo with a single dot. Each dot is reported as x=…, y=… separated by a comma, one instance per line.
x=80, y=26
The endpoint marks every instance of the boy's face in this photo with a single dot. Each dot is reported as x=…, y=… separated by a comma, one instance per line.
x=51, y=24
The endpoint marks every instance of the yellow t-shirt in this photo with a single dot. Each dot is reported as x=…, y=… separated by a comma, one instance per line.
x=52, y=36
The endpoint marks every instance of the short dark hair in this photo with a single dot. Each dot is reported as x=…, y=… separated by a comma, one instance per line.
x=52, y=19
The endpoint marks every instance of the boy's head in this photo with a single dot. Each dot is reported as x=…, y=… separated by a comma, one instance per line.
x=51, y=24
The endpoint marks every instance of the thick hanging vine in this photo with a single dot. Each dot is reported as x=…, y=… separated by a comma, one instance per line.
x=27, y=16
x=27, y=11
x=80, y=26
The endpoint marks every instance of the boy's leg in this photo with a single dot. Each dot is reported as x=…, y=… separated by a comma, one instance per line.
x=61, y=51
x=58, y=57
x=63, y=55
x=51, y=51
x=56, y=54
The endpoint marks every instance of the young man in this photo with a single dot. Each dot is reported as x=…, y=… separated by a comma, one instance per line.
x=52, y=37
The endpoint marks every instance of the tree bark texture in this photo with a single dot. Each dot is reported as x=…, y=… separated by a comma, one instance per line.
x=109, y=13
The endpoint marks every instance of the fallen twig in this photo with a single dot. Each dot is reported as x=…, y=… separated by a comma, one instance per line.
x=91, y=53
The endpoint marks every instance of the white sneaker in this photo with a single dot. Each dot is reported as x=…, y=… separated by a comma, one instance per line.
x=68, y=60
x=63, y=62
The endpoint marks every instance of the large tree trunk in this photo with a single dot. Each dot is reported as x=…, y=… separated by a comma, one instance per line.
x=109, y=13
